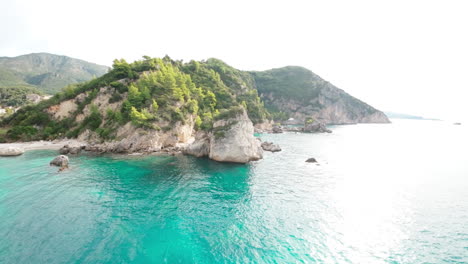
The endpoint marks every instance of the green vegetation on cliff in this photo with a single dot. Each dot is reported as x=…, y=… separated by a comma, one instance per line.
x=158, y=93
x=296, y=91
x=16, y=96
x=150, y=91
x=290, y=82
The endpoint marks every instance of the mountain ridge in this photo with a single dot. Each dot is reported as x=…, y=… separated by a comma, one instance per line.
x=47, y=72
x=160, y=104
x=296, y=92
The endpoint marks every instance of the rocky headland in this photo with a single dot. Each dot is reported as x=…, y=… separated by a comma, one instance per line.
x=204, y=109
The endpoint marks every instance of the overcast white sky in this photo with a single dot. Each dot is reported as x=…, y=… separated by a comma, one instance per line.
x=400, y=55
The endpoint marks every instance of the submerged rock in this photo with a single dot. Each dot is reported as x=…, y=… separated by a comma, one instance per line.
x=269, y=146
x=60, y=161
x=11, y=151
x=311, y=160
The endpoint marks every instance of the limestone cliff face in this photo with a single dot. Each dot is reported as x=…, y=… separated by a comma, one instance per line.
x=131, y=139
x=232, y=140
x=329, y=107
x=236, y=142
x=300, y=93
x=338, y=107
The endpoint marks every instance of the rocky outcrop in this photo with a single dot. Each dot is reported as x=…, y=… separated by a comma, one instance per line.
x=74, y=149
x=62, y=110
x=236, y=142
x=10, y=151
x=277, y=129
x=316, y=127
x=311, y=160
x=200, y=147
x=131, y=139
x=269, y=146
x=232, y=140
x=263, y=127
x=60, y=161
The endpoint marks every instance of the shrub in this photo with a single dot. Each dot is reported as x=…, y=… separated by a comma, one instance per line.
x=309, y=120
x=120, y=87
x=94, y=120
x=176, y=115
x=22, y=132
x=116, y=97
x=229, y=113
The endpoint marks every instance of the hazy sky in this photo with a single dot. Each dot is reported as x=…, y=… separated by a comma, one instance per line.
x=405, y=56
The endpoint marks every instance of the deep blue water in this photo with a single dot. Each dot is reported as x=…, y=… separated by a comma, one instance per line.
x=394, y=193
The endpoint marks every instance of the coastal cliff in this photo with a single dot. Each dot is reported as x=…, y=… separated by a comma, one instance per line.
x=153, y=105
x=201, y=108
x=295, y=92
x=231, y=140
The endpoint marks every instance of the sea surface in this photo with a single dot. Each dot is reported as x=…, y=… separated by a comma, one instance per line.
x=390, y=193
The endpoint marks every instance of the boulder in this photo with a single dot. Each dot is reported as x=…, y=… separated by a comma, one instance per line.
x=64, y=150
x=311, y=160
x=269, y=146
x=316, y=127
x=233, y=140
x=59, y=161
x=277, y=129
x=74, y=150
x=11, y=151
x=67, y=149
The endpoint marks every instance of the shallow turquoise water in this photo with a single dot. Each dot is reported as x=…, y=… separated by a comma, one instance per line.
x=381, y=194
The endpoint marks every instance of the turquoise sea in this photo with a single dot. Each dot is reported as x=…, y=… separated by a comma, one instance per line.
x=395, y=193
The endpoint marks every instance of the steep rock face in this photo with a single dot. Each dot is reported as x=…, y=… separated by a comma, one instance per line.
x=237, y=144
x=200, y=147
x=232, y=140
x=300, y=93
x=130, y=139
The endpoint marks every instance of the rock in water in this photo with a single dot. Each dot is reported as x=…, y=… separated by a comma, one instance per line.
x=75, y=150
x=233, y=140
x=64, y=150
x=311, y=160
x=269, y=146
x=277, y=129
x=70, y=149
x=316, y=127
x=11, y=151
x=60, y=161
x=199, y=148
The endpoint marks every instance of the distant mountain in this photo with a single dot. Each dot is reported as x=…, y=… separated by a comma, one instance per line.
x=297, y=92
x=48, y=73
